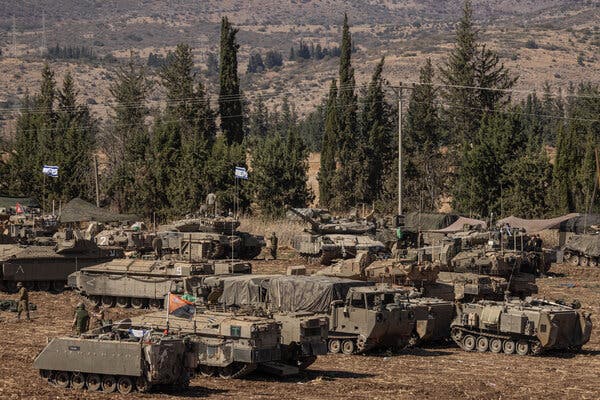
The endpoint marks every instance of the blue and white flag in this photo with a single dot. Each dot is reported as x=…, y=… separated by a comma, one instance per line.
x=241, y=173
x=50, y=170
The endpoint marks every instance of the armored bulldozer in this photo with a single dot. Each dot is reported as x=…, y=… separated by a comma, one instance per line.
x=523, y=327
x=47, y=267
x=145, y=283
x=227, y=345
x=117, y=360
x=196, y=239
x=583, y=250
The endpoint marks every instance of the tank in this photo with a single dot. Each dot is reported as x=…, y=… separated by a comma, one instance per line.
x=48, y=267
x=145, y=283
x=583, y=250
x=227, y=345
x=524, y=327
x=195, y=239
x=112, y=361
x=303, y=337
x=126, y=238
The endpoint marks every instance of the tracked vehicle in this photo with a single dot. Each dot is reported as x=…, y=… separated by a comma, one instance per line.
x=230, y=346
x=47, y=267
x=522, y=327
x=145, y=283
x=116, y=360
x=583, y=250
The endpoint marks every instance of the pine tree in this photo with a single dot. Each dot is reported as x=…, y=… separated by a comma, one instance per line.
x=329, y=148
x=259, y=120
x=426, y=166
x=230, y=98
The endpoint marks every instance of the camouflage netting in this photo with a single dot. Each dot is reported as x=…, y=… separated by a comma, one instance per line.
x=78, y=210
x=537, y=225
x=460, y=223
x=580, y=223
x=10, y=202
x=429, y=221
x=585, y=244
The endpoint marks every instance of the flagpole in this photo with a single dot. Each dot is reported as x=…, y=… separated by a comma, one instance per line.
x=44, y=195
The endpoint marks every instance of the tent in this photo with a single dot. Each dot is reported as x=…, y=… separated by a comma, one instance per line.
x=459, y=224
x=537, y=225
x=428, y=221
x=78, y=210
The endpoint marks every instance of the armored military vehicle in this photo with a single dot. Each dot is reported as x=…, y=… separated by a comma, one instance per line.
x=126, y=238
x=583, y=250
x=47, y=267
x=337, y=239
x=224, y=344
x=196, y=239
x=145, y=283
x=117, y=360
x=524, y=327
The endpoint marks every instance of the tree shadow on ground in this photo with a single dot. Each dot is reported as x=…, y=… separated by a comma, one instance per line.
x=307, y=376
x=190, y=392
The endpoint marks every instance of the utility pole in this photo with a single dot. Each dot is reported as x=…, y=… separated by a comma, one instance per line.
x=96, y=176
x=400, y=151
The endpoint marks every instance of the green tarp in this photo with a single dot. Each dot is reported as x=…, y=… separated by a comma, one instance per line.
x=78, y=210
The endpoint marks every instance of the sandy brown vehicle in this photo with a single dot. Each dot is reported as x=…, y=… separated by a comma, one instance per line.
x=145, y=283
x=117, y=360
x=523, y=327
x=583, y=250
x=227, y=345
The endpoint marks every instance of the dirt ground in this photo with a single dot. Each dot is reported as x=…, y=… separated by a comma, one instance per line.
x=439, y=372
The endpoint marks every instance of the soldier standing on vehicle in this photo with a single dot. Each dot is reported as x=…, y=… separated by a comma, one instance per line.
x=274, y=241
x=99, y=315
x=23, y=299
x=82, y=319
x=157, y=247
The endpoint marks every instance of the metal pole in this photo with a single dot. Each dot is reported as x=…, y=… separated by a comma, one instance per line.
x=96, y=176
x=400, y=153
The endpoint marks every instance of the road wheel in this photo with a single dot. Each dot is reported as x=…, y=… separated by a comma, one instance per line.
x=122, y=302
x=469, y=343
x=78, y=381
x=522, y=347
x=137, y=303
x=96, y=300
x=496, y=345
x=574, y=260
x=483, y=344
x=43, y=286
x=109, y=384
x=46, y=374
x=508, y=347
x=93, y=382
x=583, y=261
x=456, y=335
x=334, y=346
x=593, y=262
x=348, y=346
x=155, y=304
x=63, y=379
x=29, y=285
x=536, y=348
x=207, y=371
x=125, y=385
x=108, y=301
x=57, y=286
x=142, y=384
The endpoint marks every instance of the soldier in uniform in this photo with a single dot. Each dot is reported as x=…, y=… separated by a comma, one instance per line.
x=274, y=241
x=82, y=319
x=99, y=315
x=157, y=247
x=23, y=299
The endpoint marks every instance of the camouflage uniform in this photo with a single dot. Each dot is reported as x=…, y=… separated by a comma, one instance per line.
x=274, y=241
x=81, y=320
x=23, y=304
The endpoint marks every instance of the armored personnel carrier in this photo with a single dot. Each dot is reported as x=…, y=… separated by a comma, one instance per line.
x=117, y=360
x=47, y=267
x=522, y=327
x=145, y=283
x=337, y=239
x=227, y=345
x=583, y=250
x=196, y=239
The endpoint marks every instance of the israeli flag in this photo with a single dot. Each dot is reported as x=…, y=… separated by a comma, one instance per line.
x=50, y=170
x=241, y=173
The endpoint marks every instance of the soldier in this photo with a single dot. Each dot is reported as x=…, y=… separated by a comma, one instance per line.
x=81, y=320
x=274, y=241
x=99, y=315
x=157, y=246
x=23, y=300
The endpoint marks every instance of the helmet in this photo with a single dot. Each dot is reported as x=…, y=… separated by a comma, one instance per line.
x=19, y=284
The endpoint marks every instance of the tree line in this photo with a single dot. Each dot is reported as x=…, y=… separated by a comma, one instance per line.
x=465, y=139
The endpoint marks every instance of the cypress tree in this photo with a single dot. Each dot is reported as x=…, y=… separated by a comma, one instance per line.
x=329, y=148
x=230, y=100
